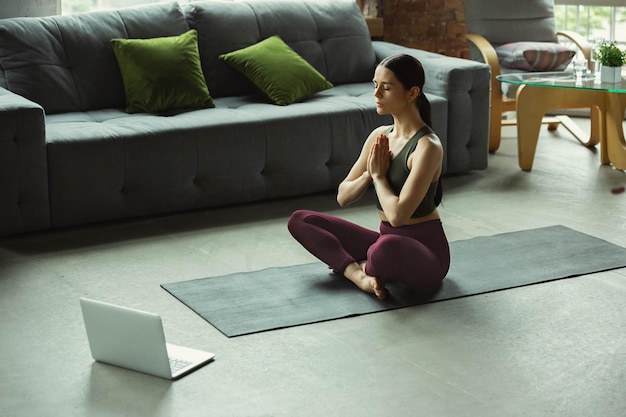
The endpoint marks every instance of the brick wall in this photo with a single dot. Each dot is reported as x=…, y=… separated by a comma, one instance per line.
x=432, y=25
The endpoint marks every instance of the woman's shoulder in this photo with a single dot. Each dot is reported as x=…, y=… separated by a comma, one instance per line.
x=429, y=147
x=430, y=135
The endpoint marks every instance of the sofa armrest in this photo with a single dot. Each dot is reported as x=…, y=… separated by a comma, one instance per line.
x=466, y=86
x=24, y=203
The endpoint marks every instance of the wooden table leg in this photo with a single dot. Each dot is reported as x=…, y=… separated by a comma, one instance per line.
x=590, y=139
x=530, y=111
x=615, y=145
x=532, y=104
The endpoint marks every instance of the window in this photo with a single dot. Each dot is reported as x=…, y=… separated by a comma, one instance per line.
x=78, y=6
x=593, y=19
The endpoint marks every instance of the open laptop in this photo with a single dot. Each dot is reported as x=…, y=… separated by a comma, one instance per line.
x=135, y=340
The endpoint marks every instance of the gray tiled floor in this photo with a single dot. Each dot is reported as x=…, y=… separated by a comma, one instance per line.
x=556, y=349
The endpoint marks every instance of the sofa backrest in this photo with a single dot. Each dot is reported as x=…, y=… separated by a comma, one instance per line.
x=331, y=35
x=65, y=63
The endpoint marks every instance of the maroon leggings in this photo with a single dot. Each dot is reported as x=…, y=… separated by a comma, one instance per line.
x=416, y=255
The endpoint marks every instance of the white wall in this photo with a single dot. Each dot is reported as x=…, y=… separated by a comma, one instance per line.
x=20, y=8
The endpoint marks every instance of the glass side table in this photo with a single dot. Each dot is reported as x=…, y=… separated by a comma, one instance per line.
x=543, y=91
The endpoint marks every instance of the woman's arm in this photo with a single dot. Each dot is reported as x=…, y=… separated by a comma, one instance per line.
x=425, y=168
x=358, y=180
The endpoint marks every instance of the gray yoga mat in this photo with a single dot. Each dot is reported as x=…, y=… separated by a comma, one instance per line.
x=273, y=298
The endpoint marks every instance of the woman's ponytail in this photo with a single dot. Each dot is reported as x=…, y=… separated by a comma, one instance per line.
x=423, y=105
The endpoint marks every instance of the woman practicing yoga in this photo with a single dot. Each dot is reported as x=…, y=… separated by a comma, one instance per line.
x=404, y=163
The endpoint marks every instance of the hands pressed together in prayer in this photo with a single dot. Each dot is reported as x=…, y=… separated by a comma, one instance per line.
x=379, y=157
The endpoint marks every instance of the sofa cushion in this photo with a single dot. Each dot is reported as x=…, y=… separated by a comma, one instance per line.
x=535, y=56
x=331, y=35
x=174, y=163
x=162, y=73
x=277, y=71
x=65, y=63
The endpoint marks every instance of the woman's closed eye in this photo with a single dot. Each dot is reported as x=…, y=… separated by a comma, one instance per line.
x=386, y=86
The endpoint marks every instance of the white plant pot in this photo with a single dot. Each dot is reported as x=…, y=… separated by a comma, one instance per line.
x=611, y=74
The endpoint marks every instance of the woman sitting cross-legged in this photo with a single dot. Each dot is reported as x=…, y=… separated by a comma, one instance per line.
x=404, y=163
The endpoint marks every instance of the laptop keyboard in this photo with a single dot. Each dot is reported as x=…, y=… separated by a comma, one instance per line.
x=178, y=364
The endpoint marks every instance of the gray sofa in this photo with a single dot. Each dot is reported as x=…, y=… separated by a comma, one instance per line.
x=70, y=154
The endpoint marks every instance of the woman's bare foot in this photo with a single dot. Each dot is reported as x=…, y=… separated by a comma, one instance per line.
x=356, y=273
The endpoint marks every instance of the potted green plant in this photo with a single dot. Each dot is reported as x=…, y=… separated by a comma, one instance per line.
x=612, y=59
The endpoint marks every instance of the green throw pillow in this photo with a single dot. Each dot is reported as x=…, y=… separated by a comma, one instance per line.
x=162, y=73
x=277, y=70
